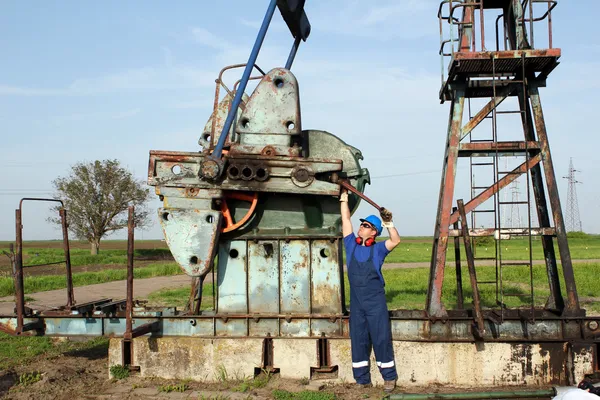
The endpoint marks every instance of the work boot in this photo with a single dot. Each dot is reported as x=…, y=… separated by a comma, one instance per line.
x=364, y=385
x=389, y=386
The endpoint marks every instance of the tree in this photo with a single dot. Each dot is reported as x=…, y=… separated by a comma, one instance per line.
x=97, y=195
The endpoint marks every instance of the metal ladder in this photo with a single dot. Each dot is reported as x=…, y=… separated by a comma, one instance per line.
x=500, y=263
x=473, y=166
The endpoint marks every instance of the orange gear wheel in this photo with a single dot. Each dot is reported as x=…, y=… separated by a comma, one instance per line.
x=230, y=225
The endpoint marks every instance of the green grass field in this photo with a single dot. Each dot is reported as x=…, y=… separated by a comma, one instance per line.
x=178, y=297
x=407, y=288
x=411, y=249
x=15, y=351
x=50, y=282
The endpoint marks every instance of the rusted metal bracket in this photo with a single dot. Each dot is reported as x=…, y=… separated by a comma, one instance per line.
x=324, y=370
x=480, y=331
x=267, y=358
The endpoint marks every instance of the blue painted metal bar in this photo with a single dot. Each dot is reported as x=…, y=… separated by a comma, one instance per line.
x=246, y=75
x=290, y=60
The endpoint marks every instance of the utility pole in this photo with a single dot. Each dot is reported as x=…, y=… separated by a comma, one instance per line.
x=515, y=214
x=573, y=221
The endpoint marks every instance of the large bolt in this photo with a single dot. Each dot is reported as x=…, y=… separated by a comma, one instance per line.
x=209, y=169
x=302, y=175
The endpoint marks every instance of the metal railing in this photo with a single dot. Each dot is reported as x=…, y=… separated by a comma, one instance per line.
x=460, y=33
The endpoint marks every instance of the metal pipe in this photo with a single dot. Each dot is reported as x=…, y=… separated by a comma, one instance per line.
x=238, y=95
x=472, y=272
x=515, y=394
x=129, y=307
x=63, y=222
x=351, y=188
x=290, y=60
x=19, y=289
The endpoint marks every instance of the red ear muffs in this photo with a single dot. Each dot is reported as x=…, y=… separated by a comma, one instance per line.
x=368, y=242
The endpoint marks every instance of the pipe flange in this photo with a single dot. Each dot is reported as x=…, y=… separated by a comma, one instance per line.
x=234, y=172
x=247, y=172
x=302, y=175
x=261, y=173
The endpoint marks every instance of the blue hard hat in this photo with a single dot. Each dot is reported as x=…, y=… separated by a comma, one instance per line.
x=375, y=221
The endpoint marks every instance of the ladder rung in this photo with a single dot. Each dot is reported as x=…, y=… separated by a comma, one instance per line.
x=513, y=202
x=480, y=187
x=510, y=112
x=484, y=258
x=483, y=163
x=485, y=282
x=510, y=172
x=508, y=80
x=484, y=211
x=481, y=140
x=516, y=264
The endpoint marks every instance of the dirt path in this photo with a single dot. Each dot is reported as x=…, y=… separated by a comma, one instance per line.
x=114, y=290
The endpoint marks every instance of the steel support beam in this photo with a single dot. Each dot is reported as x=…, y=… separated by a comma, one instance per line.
x=572, y=305
x=434, y=305
x=496, y=187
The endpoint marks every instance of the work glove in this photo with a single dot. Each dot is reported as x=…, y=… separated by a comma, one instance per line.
x=386, y=218
x=344, y=196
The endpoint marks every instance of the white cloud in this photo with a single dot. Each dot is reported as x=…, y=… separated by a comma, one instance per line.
x=192, y=104
x=380, y=20
x=249, y=23
x=137, y=79
x=8, y=90
x=206, y=38
x=108, y=115
x=168, y=56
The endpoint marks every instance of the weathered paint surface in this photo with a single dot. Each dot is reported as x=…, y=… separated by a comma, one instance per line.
x=192, y=236
x=289, y=280
x=232, y=275
x=273, y=108
x=295, y=277
x=263, y=276
x=326, y=291
x=418, y=364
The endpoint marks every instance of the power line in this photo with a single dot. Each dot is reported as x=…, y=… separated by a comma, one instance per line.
x=573, y=223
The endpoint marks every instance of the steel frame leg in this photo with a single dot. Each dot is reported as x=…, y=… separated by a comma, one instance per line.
x=434, y=306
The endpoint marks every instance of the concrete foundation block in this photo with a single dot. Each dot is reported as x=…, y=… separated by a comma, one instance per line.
x=418, y=364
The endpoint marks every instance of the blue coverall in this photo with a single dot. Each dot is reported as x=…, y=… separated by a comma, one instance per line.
x=369, y=317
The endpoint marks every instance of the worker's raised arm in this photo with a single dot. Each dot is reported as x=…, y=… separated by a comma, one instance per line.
x=394, y=240
x=345, y=211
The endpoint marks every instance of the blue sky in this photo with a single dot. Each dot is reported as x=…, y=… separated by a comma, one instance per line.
x=93, y=80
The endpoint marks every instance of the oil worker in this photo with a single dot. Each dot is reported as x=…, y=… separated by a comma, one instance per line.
x=369, y=317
